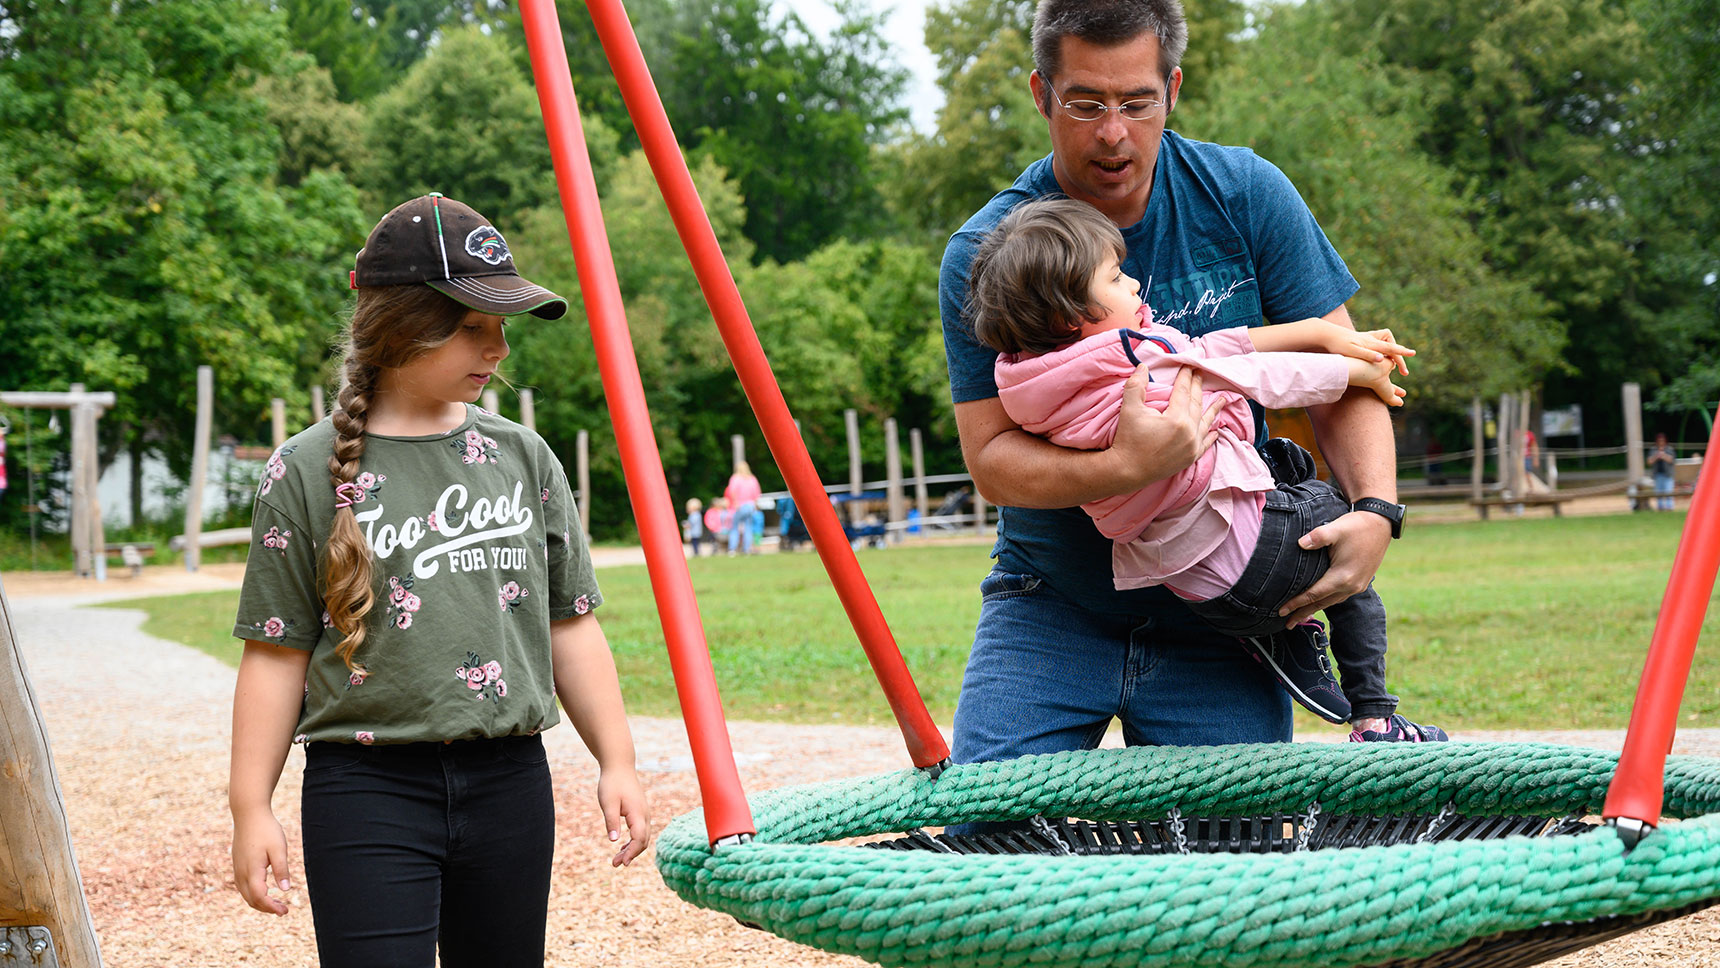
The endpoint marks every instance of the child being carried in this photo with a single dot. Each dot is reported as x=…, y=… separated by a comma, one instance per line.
x=1048, y=293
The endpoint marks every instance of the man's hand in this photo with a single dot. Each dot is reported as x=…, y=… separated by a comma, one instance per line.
x=1152, y=446
x=1358, y=543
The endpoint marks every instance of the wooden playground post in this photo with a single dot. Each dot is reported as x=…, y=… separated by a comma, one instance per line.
x=317, y=411
x=918, y=454
x=897, y=503
x=1478, y=431
x=851, y=420
x=84, y=426
x=80, y=495
x=277, y=422
x=1633, y=459
x=737, y=449
x=39, y=883
x=199, y=468
x=490, y=401
x=528, y=410
x=582, y=475
x=978, y=511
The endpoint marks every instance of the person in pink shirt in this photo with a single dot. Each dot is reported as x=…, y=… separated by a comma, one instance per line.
x=1047, y=292
x=742, y=494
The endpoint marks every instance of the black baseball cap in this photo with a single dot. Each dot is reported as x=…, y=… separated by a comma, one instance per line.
x=446, y=245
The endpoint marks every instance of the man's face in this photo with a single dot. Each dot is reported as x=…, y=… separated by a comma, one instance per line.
x=1108, y=162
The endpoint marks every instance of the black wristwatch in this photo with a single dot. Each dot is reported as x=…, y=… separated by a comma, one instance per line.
x=1385, y=509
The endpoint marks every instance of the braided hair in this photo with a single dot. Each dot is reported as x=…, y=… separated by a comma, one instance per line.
x=390, y=327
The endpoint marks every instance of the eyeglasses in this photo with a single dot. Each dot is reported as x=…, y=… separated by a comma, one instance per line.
x=1140, y=109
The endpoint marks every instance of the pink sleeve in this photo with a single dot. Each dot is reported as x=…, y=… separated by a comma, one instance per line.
x=1224, y=342
x=1278, y=380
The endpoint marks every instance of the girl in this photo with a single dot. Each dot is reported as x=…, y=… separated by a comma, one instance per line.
x=418, y=596
x=1048, y=294
x=742, y=496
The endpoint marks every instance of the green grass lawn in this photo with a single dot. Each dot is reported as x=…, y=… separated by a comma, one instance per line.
x=1533, y=624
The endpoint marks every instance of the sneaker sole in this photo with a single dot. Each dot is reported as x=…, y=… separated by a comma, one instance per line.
x=1307, y=702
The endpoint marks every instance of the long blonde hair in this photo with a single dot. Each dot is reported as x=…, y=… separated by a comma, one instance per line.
x=390, y=327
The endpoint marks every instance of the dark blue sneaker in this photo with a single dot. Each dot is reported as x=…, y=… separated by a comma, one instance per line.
x=1400, y=730
x=1297, y=658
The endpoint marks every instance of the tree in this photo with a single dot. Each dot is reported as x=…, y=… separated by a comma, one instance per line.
x=464, y=121
x=144, y=231
x=1532, y=103
x=792, y=119
x=1348, y=131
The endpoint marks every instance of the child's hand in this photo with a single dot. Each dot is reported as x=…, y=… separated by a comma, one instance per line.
x=1371, y=347
x=1376, y=375
x=621, y=796
x=260, y=861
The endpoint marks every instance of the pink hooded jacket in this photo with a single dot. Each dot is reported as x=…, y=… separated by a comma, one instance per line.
x=1072, y=396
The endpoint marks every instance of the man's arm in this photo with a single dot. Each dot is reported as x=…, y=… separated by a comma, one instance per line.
x=1355, y=437
x=1014, y=468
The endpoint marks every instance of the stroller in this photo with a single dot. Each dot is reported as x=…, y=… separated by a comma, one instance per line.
x=792, y=527
x=954, y=505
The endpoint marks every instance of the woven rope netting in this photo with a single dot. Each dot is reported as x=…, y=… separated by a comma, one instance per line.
x=1319, y=909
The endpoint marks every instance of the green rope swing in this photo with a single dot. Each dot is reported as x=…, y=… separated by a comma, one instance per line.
x=1320, y=909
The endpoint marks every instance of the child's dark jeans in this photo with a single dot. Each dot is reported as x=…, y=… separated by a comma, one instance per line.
x=414, y=847
x=1280, y=569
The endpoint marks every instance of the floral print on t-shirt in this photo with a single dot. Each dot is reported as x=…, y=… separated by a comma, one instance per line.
x=275, y=469
x=475, y=448
x=483, y=679
x=277, y=539
x=402, y=604
x=512, y=596
x=274, y=627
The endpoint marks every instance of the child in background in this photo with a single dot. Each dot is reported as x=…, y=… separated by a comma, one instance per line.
x=419, y=596
x=693, y=528
x=1049, y=295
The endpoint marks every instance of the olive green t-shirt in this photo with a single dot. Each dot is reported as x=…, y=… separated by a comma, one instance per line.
x=476, y=548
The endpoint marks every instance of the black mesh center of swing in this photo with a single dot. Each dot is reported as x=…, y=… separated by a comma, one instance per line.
x=1274, y=834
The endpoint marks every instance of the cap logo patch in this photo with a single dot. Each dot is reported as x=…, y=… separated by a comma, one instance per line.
x=487, y=244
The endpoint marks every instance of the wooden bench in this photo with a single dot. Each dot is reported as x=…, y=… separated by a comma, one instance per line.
x=131, y=554
x=1554, y=500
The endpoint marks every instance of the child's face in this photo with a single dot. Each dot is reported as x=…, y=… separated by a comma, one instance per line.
x=1114, y=297
x=458, y=370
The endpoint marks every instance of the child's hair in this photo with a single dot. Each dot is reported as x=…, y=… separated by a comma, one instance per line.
x=1029, y=287
x=694, y=504
x=391, y=326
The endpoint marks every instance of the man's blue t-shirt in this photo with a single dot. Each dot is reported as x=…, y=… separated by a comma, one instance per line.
x=1226, y=241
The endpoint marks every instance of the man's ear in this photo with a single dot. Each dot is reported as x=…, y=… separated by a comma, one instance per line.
x=1037, y=83
x=1173, y=85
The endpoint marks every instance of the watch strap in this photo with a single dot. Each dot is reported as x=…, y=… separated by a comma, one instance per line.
x=1385, y=509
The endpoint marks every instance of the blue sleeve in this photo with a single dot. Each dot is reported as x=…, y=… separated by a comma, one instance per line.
x=1300, y=274
x=970, y=362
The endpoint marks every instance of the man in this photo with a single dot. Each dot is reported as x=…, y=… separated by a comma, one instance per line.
x=1219, y=238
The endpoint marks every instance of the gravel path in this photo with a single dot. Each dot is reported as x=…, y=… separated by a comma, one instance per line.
x=139, y=730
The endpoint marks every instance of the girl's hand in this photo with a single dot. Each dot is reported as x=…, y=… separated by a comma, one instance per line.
x=1370, y=347
x=260, y=861
x=1376, y=375
x=621, y=797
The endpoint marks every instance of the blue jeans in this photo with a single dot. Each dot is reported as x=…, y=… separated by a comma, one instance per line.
x=741, y=531
x=424, y=845
x=1663, y=492
x=1046, y=675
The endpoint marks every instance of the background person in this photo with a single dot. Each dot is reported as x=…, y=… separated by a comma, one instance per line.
x=742, y=495
x=1662, y=462
x=1221, y=239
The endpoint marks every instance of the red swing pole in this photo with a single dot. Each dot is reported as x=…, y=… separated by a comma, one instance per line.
x=925, y=744
x=727, y=815
x=1638, y=788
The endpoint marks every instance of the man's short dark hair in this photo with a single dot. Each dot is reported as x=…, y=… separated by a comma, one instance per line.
x=1107, y=23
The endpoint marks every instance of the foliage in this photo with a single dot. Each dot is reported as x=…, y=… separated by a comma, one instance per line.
x=144, y=231
x=791, y=118
x=1347, y=132
x=464, y=121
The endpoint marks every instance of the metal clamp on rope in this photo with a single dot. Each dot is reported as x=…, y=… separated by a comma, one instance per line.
x=936, y=769
x=733, y=840
x=1630, y=831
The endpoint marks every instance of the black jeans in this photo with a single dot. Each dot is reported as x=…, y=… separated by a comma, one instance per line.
x=412, y=845
x=1280, y=569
